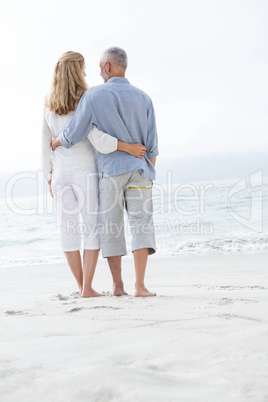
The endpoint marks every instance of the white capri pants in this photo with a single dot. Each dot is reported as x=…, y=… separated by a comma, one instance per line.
x=77, y=195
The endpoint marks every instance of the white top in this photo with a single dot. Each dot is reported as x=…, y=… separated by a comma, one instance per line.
x=80, y=155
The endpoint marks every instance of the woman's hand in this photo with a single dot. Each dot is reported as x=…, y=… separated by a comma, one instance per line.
x=50, y=189
x=136, y=150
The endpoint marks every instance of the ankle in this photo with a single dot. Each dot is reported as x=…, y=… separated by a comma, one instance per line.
x=88, y=287
x=118, y=283
x=140, y=286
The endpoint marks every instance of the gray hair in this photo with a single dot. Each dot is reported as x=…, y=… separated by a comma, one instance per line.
x=115, y=55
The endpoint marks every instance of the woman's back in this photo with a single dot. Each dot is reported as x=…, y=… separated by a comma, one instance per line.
x=67, y=161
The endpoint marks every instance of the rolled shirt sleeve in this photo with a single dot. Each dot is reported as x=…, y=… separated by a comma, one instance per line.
x=152, y=141
x=80, y=124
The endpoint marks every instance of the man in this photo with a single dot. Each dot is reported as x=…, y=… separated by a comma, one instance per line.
x=127, y=113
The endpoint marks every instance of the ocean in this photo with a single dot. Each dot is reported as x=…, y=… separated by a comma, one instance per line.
x=209, y=217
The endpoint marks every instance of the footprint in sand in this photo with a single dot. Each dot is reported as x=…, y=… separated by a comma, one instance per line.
x=227, y=316
x=13, y=312
x=225, y=301
x=73, y=310
x=107, y=307
x=241, y=287
x=62, y=297
x=73, y=295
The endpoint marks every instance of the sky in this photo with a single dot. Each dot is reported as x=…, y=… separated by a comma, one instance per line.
x=204, y=63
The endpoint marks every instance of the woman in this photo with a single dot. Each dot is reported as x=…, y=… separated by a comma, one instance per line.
x=71, y=173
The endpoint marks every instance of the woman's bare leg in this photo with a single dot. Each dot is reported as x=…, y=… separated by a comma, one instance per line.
x=89, y=265
x=74, y=261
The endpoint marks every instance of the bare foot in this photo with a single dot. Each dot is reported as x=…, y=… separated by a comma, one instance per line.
x=143, y=292
x=118, y=290
x=91, y=293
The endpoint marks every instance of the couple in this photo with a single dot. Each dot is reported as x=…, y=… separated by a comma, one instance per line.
x=99, y=187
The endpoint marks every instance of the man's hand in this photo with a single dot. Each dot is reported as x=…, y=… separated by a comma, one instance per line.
x=55, y=143
x=136, y=150
x=153, y=161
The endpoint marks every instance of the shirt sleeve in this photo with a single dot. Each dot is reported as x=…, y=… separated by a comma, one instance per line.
x=152, y=138
x=80, y=124
x=46, y=150
x=104, y=143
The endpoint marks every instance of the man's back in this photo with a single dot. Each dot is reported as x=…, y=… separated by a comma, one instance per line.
x=126, y=113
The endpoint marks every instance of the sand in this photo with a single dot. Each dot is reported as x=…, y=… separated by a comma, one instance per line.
x=203, y=338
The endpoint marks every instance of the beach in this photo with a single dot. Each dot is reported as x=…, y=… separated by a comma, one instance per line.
x=204, y=337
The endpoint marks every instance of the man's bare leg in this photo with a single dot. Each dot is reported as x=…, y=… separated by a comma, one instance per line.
x=74, y=260
x=115, y=267
x=140, y=260
x=90, y=260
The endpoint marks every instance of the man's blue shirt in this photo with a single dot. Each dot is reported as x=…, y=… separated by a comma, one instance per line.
x=123, y=111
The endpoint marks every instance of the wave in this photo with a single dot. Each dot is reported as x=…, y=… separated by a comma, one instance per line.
x=219, y=246
x=227, y=245
x=21, y=262
x=21, y=242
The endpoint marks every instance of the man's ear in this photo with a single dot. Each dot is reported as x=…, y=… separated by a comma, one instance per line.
x=107, y=66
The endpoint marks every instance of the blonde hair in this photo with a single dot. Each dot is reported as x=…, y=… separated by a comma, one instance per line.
x=68, y=84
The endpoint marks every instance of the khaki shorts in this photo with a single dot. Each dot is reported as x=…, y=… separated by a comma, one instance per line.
x=134, y=193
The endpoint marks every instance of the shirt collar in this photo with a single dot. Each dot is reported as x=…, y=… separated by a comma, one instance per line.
x=121, y=80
